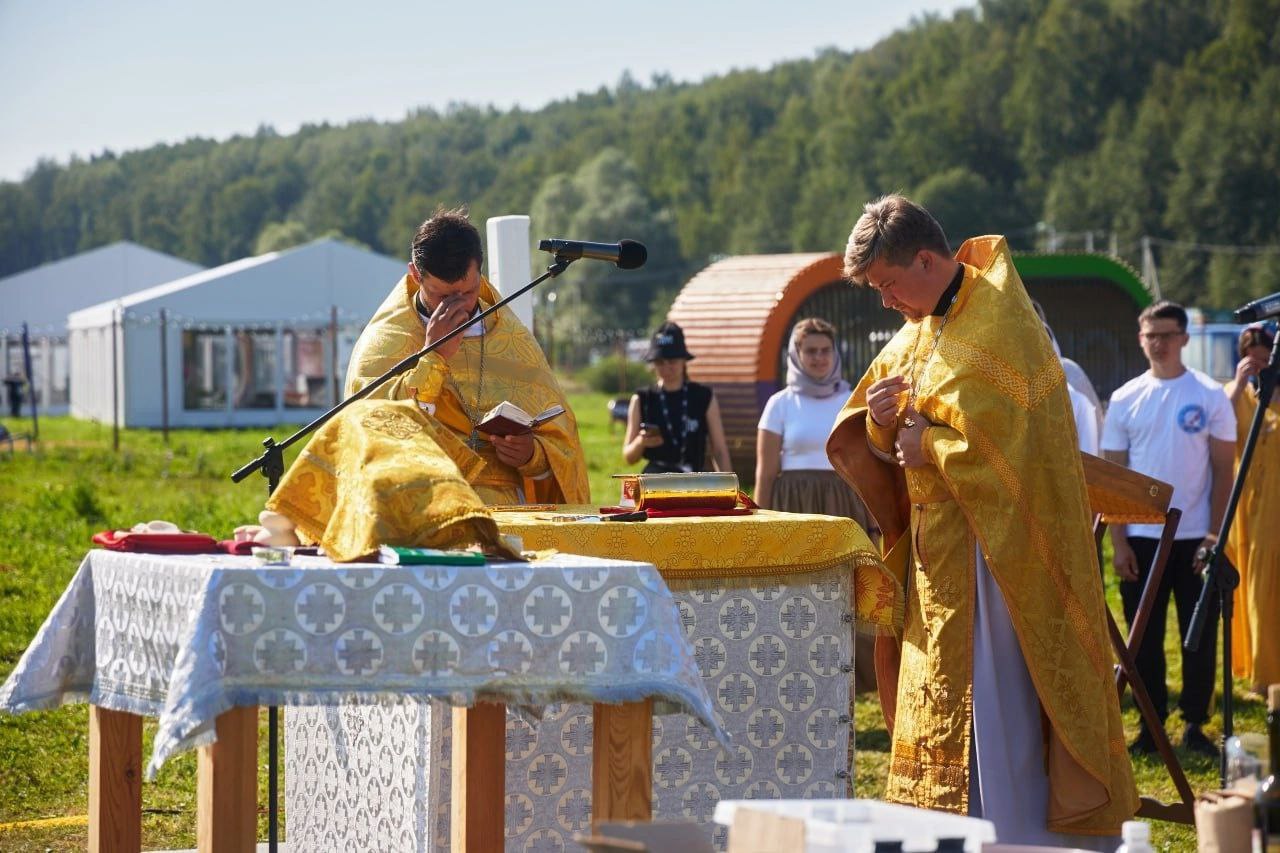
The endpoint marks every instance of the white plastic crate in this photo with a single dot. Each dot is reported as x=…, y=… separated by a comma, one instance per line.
x=854, y=826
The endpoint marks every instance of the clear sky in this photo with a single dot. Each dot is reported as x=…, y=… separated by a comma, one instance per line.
x=81, y=76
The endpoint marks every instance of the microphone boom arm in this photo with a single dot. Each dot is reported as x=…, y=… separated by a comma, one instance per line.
x=271, y=462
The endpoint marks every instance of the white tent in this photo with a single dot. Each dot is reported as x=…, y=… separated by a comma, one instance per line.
x=43, y=297
x=255, y=342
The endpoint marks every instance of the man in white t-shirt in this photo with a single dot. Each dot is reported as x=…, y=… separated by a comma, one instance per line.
x=1174, y=424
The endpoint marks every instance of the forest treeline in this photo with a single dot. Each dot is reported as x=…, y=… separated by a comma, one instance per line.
x=1127, y=117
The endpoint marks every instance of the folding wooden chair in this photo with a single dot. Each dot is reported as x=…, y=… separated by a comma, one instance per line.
x=1119, y=495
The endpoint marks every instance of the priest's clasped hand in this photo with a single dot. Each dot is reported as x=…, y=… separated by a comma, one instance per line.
x=513, y=450
x=910, y=443
x=882, y=399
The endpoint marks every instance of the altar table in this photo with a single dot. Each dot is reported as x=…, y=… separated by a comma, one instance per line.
x=198, y=642
x=765, y=600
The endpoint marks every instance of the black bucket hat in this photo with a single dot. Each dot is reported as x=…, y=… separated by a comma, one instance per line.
x=668, y=342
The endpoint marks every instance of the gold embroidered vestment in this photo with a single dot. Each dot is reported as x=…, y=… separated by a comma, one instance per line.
x=1004, y=475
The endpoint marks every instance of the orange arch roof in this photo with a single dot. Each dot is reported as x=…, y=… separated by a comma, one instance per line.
x=734, y=313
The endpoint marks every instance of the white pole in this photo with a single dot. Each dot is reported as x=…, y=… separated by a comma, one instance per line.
x=1149, y=272
x=229, y=369
x=509, y=261
x=279, y=372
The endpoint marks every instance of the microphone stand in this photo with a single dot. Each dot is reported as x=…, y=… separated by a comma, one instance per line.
x=271, y=464
x=1220, y=577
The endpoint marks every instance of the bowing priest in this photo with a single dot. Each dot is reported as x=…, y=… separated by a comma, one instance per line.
x=960, y=438
x=493, y=361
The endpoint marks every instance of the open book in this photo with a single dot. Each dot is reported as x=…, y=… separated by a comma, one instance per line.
x=507, y=418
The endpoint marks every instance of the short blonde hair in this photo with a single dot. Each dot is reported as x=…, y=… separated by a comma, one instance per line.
x=892, y=227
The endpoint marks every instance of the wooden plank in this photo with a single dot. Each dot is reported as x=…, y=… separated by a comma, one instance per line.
x=622, y=762
x=1123, y=496
x=479, y=778
x=755, y=831
x=227, y=785
x=115, y=781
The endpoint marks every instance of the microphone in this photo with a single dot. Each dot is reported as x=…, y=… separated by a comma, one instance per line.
x=625, y=254
x=1259, y=309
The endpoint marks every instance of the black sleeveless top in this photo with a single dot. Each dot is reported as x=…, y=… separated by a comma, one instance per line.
x=683, y=421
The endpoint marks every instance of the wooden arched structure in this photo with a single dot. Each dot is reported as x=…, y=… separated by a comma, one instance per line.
x=737, y=315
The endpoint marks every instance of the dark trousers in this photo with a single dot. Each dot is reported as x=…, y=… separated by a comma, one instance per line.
x=1199, y=668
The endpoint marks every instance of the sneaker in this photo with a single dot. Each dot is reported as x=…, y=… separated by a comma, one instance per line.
x=1145, y=744
x=1194, y=740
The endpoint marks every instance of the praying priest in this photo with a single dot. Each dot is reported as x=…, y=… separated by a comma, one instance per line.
x=494, y=361
x=960, y=438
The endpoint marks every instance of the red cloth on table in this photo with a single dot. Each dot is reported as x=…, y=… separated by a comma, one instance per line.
x=688, y=512
x=156, y=543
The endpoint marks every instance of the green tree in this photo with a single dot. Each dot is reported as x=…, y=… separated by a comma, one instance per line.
x=277, y=236
x=603, y=201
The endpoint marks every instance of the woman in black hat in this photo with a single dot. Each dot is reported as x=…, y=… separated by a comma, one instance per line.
x=671, y=422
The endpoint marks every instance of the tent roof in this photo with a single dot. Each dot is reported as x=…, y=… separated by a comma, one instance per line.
x=43, y=296
x=300, y=284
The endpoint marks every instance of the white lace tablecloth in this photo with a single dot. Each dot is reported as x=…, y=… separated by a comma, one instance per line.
x=775, y=654
x=184, y=638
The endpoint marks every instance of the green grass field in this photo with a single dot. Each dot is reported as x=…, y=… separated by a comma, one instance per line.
x=74, y=484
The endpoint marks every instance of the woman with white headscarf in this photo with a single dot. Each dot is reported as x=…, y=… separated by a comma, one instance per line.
x=792, y=469
x=793, y=473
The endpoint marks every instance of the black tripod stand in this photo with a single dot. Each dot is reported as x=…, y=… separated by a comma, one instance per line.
x=271, y=464
x=1220, y=577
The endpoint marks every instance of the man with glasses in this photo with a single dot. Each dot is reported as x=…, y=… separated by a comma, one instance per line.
x=1174, y=424
x=492, y=362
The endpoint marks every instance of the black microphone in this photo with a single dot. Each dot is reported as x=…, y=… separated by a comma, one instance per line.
x=1259, y=309
x=625, y=254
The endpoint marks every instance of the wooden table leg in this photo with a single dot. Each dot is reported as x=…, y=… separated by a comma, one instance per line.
x=479, y=778
x=115, y=781
x=622, y=762
x=227, y=785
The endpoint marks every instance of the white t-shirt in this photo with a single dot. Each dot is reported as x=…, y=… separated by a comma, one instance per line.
x=1166, y=424
x=804, y=424
x=1086, y=420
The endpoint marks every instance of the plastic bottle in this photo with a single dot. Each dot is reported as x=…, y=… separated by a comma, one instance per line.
x=1242, y=765
x=1137, y=837
x=1269, y=791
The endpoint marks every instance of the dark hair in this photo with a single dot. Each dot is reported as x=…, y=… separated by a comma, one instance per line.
x=445, y=245
x=1255, y=336
x=892, y=227
x=1165, y=310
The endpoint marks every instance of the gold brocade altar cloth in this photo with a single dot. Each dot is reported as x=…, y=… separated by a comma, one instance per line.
x=765, y=544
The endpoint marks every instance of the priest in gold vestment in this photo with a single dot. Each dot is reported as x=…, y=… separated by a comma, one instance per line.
x=456, y=385
x=960, y=438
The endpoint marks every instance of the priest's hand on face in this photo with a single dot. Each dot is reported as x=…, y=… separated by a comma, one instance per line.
x=882, y=399
x=449, y=314
x=513, y=450
x=909, y=446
